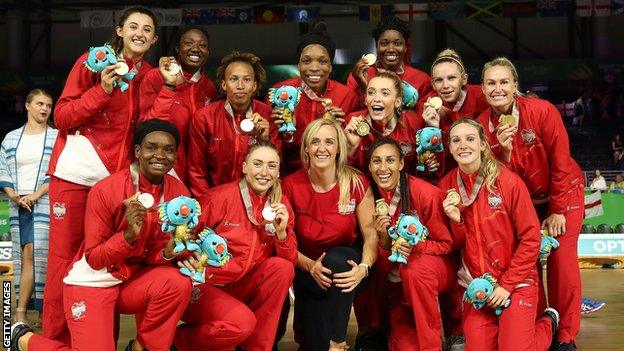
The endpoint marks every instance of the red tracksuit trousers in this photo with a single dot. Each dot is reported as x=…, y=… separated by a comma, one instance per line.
x=68, y=202
x=221, y=318
x=515, y=330
x=157, y=295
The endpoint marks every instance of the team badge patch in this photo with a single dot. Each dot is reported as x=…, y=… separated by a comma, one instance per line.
x=79, y=309
x=494, y=200
x=58, y=209
x=528, y=136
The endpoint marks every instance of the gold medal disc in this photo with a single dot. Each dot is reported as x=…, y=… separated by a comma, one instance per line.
x=363, y=129
x=453, y=196
x=435, y=102
x=381, y=207
x=507, y=120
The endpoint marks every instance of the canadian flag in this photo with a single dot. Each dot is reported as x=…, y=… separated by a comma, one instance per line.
x=593, y=205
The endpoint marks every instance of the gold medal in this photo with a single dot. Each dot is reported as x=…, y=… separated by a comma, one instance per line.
x=121, y=68
x=268, y=214
x=381, y=207
x=363, y=129
x=505, y=120
x=370, y=59
x=173, y=69
x=453, y=196
x=146, y=199
x=435, y=102
x=247, y=125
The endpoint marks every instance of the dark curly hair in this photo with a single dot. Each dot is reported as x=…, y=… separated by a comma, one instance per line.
x=246, y=57
x=391, y=22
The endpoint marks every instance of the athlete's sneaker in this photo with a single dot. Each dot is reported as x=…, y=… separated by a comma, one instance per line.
x=566, y=346
x=590, y=306
x=17, y=331
x=456, y=343
x=553, y=315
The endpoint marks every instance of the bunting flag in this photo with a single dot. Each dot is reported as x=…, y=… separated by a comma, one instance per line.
x=199, y=16
x=411, y=12
x=617, y=7
x=555, y=8
x=593, y=8
x=483, y=9
x=168, y=17
x=96, y=19
x=303, y=14
x=374, y=13
x=519, y=9
x=446, y=11
x=268, y=14
x=233, y=15
x=593, y=205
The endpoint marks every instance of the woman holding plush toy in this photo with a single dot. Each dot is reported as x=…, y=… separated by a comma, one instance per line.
x=241, y=301
x=95, y=122
x=487, y=205
x=319, y=95
x=178, y=87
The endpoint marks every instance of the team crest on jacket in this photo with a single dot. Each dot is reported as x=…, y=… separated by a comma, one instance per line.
x=79, y=309
x=58, y=209
x=350, y=208
x=494, y=200
x=405, y=148
x=528, y=136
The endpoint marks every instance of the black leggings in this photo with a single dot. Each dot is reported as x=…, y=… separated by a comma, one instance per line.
x=323, y=315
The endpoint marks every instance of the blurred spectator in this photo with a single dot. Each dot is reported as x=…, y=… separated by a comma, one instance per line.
x=604, y=105
x=618, y=185
x=531, y=94
x=579, y=112
x=598, y=183
x=617, y=149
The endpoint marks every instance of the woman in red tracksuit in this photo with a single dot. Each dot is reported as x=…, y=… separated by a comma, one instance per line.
x=459, y=99
x=416, y=322
x=95, y=123
x=383, y=99
x=217, y=144
x=175, y=97
x=536, y=147
x=240, y=303
x=319, y=94
x=393, y=54
x=123, y=265
x=497, y=232
x=337, y=242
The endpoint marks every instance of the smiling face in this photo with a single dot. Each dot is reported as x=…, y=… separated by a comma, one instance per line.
x=466, y=147
x=385, y=166
x=261, y=169
x=138, y=34
x=156, y=154
x=239, y=83
x=390, y=49
x=322, y=148
x=315, y=66
x=39, y=109
x=382, y=99
x=192, y=50
x=499, y=87
x=447, y=80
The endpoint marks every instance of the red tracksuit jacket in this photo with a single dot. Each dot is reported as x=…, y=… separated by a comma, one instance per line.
x=108, y=121
x=404, y=133
x=417, y=78
x=426, y=200
x=105, y=245
x=224, y=211
x=308, y=110
x=216, y=150
x=499, y=232
x=177, y=107
x=541, y=152
x=318, y=223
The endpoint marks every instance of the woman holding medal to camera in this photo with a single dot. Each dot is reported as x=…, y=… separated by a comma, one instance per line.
x=178, y=87
x=528, y=135
x=337, y=242
x=415, y=318
x=230, y=126
x=240, y=303
x=320, y=95
x=95, y=122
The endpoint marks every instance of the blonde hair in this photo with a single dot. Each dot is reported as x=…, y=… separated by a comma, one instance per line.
x=397, y=83
x=347, y=176
x=489, y=168
x=275, y=192
x=503, y=62
x=450, y=56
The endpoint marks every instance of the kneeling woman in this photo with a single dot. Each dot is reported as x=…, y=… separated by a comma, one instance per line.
x=252, y=286
x=498, y=233
x=337, y=241
x=416, y=323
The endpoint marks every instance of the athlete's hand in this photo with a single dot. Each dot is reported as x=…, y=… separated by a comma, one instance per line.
x=350, y=279
x=555, y=223
x=505, y=134
x=498, y=297
x=281, y=220
x=320, y=273
x=262, y=126
x=360, y=73
x=451, y=210
x=163, y=66
x=108, y=77
x=353, y=138
x=135, y=215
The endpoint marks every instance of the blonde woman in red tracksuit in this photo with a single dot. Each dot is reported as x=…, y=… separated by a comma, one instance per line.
x=123, y=266
x=95, y=124
x=175, y=97
x=217, y=144
x=459, y=99
x=319, y=93
x=240, y=303
x=537, y=148
x=415, y=318
x=392, y=37
x=497, y=232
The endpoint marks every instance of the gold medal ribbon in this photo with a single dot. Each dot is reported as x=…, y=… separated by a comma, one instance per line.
x=466, y=201
x=135, y=174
